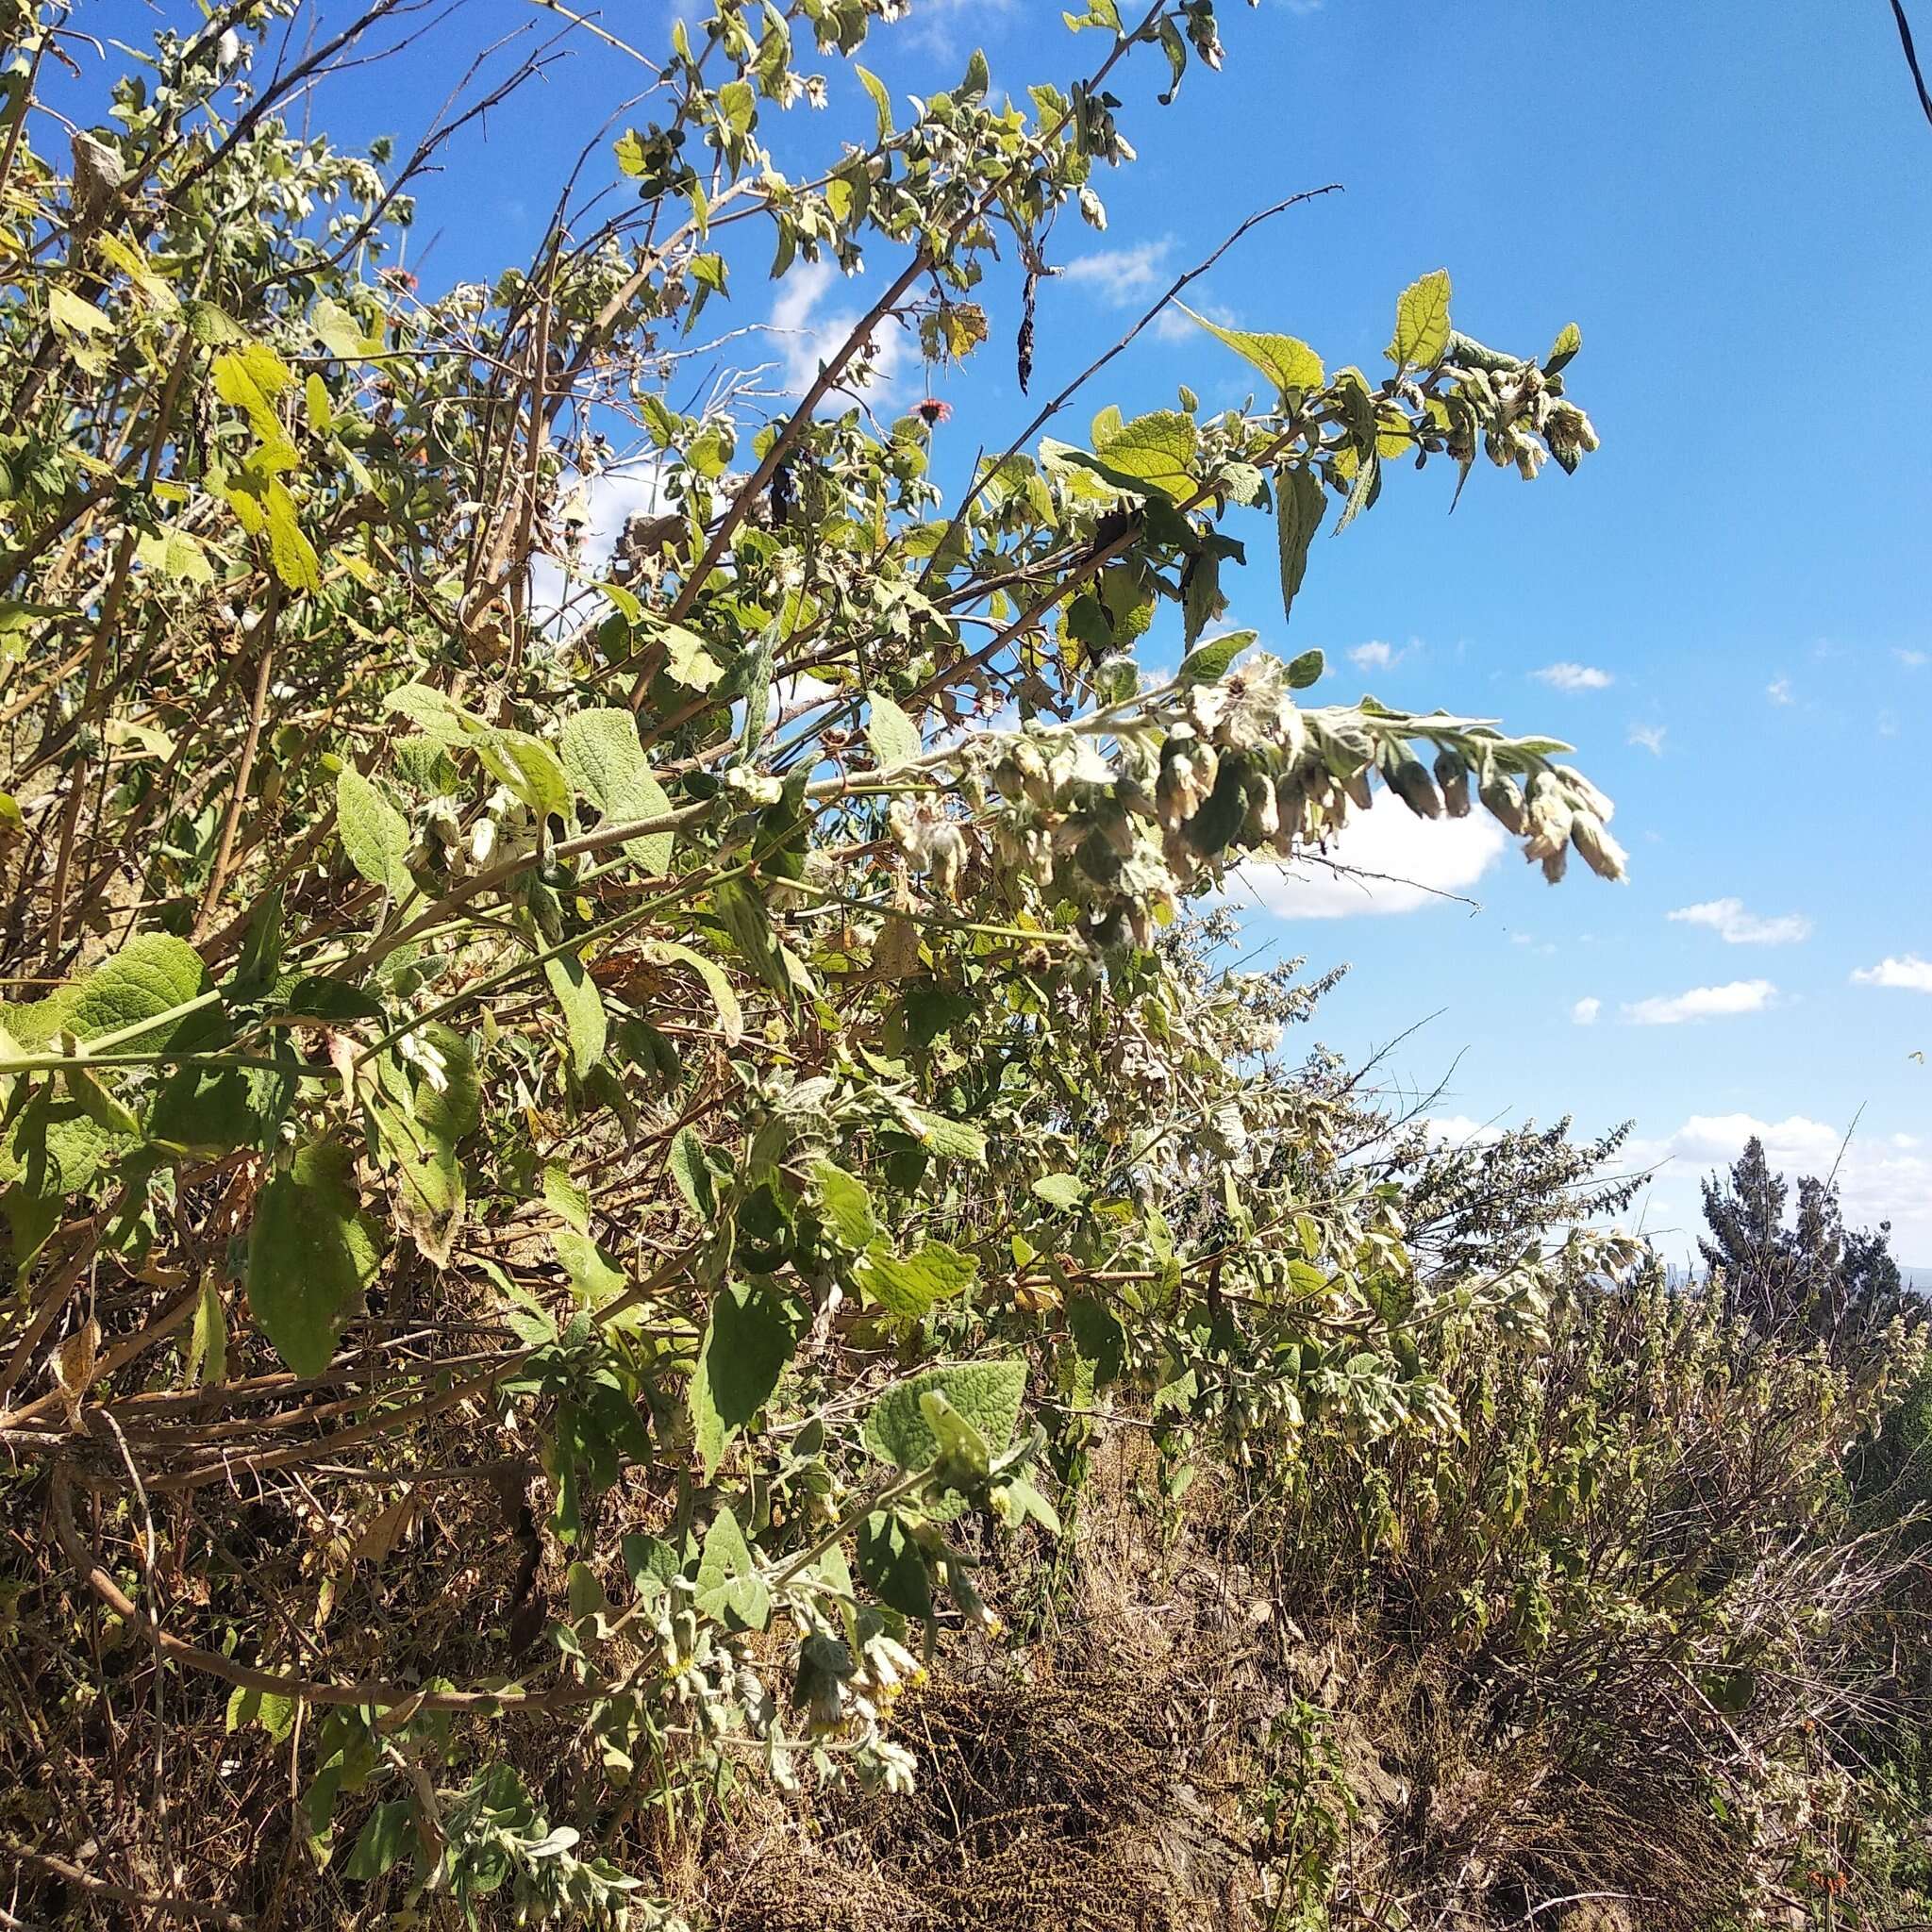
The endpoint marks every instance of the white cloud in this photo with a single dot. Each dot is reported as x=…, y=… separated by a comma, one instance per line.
x=1702, y=1003
x=1458, y=1130
x=1728, y=919
x=1375, y=655
x=1651, y=736
x=1568, y=677
x=1779, y=690
x=1912, y=661
x=1119, y=274
x=611, y=499
x=1908, y=974
x=809, y=338
x=1585, y=1011
x=1395, y=862
x=1878, y=1180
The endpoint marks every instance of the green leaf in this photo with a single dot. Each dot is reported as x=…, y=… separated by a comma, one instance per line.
x=650, y=1562
x=567, y=1201
x=173, y=552
x=1098, y=1336
x=1362, y=490
x=1422, y=323
x=880, y=99
x=1287, y=361
x=1211, y=660
x=954, y=1138
x=583, y=1009
x=205, y=1361
x=374, y=833
x=150, y=976
x=382, y=1841
x=1065, y=1191
x=594, y=1275
x=891, y=1563
x=417, y=1126
x=730, y=1590
x=1299, y=503
x=894, y=737
x=742, y=914
x=909, y=1285
x=311, y=1254
x=212, y=1109
x=846, y=1204
x=747, y=1343
x=251, y=378
x=340, y=334
x=1157, y=450
x=686, y=659
x=1563, y=350
x=986, y=1394
x=527, y=766
x=693, y=1173
x=75, y=315
x=1306, y=670
x=606, y=765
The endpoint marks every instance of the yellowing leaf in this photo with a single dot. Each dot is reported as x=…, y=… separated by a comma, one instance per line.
x=75, y=315
x=1287, y=361
x=1422, y=323
x=250, y=379
x=893, y=736
x=1157, y=449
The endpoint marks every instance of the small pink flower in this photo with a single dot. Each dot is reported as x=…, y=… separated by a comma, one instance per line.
x=932, y=412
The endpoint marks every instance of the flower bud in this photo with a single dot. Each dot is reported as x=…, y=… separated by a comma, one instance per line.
x=1452, y=775
x=1601, y=852
x=1415, y=789
x=1503, y=801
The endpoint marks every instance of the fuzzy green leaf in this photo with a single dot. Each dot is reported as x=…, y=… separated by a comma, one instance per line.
x=1299, y=504
x=986, y=1394
x=730, y=1590
x=374, y=833
x=909, y=1285
x=606, y=765
x=748, y=1344
x=583, y=1009
x=312, y=1254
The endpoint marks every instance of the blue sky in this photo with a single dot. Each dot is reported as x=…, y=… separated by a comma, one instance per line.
x=1727, y=610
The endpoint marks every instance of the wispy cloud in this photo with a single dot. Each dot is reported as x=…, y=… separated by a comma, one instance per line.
x=806, y=337
x=1703, y=1003
x=1651, y=736
x=1118, y=275
x=1375, y=655
x=1732, y=923
x=1779, y=690
x=1568, y=677
x=1912, y=661
x=1907, y=973
x=1585, y=1011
